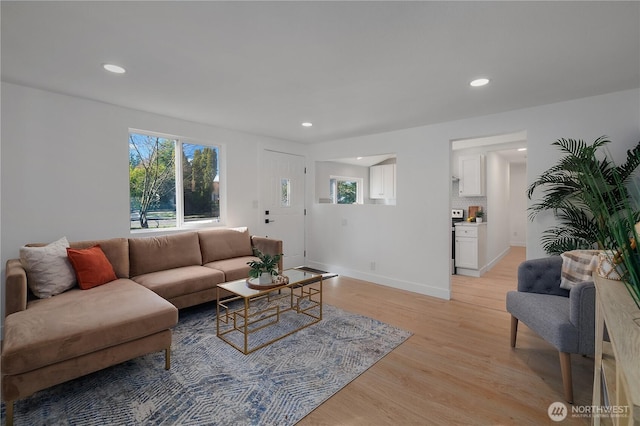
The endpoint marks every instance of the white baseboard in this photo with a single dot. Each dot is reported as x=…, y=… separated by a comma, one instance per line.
x=479, y=272
x=421, y=288
x=469, y=272
x=495, y=261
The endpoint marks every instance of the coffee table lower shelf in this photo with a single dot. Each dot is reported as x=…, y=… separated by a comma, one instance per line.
x=248, y=327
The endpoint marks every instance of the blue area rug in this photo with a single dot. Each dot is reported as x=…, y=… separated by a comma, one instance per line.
x=211, y=383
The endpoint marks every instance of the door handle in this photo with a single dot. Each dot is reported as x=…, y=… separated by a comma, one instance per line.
x=269, y=220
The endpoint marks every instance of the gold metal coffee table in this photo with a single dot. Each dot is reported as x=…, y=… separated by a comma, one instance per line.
x=235, y=325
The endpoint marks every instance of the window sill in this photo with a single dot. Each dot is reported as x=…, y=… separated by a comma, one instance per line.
x=192, y=226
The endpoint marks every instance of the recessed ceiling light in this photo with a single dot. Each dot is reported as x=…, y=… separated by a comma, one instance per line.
x=114, y=68
x=479, y=82
x=522, y=149
x=358, y=158
x=307, y=124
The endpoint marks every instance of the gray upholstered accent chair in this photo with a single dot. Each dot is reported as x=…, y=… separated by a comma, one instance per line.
x=565, y=319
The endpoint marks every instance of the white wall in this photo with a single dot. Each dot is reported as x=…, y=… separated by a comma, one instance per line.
x=518, y=204
x=64, y=172
x=410, y=242
x=497, y=181
x=64, y=169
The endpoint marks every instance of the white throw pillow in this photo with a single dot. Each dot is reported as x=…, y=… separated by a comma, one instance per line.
x=49, y=271
x=577, y=266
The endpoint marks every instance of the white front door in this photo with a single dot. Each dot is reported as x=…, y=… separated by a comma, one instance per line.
x=282, y=201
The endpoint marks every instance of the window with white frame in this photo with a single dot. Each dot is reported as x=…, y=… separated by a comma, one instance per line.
x=173, y=182
x=345, y=190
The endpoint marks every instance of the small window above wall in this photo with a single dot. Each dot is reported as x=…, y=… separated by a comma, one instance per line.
x=357, y=180
x=345, y=190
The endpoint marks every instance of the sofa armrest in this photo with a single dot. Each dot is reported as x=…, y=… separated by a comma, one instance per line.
x=541, y=276
x=268, y=246
x=582, y=314
x=15, y=287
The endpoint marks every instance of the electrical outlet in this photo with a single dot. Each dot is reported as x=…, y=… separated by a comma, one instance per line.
x=372, y=266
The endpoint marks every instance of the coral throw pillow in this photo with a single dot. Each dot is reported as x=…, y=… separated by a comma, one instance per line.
x=92, y=267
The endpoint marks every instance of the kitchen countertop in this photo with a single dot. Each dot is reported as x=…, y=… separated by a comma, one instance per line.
x=465, y=223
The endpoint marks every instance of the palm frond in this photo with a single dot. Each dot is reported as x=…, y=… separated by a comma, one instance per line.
x=633, y=161
x=553, y=244
x=582, y=190
x=571, y=146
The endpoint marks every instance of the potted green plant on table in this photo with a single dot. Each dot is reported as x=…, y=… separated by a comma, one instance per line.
x=265, y=268
x=479, y=216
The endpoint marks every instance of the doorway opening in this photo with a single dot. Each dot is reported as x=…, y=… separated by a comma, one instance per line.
x=495, y=184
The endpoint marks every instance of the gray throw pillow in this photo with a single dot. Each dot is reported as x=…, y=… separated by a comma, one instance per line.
x=49, y=271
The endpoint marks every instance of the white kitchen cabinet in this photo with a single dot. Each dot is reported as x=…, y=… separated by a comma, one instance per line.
x=382, y=181
x=471, y=253
x=467, y=252
x=472, y=176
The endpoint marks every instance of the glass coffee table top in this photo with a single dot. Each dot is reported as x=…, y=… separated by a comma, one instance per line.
x=296, y=277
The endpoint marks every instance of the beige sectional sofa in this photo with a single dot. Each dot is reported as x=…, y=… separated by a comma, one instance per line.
x=53, y=340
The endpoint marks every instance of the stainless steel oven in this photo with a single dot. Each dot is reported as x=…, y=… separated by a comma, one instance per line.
x=457, y=215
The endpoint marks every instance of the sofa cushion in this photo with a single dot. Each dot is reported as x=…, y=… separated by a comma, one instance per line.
x=79, y=322
x=176, y=282
x=218, y=244
x=234, y=269
x=152, y=254
x=49, y=271
x=92, y=267
x=116, y=250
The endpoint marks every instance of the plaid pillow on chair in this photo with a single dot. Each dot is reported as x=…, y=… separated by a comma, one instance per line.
x=577, y=266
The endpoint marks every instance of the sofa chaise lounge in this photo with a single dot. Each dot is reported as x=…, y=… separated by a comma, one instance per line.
x=52, y=340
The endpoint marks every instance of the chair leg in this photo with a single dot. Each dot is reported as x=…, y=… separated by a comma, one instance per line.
x=8, y=407
x=567, y=383
x=514, y=330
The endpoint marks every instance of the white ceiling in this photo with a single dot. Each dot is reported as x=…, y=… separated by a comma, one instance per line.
x=351, y=68
x=508, y=145
x=367, y=161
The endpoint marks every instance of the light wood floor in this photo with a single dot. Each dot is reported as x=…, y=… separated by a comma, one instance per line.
x=458, y=367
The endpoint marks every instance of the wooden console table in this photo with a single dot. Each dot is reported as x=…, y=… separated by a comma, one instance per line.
x=616, y=379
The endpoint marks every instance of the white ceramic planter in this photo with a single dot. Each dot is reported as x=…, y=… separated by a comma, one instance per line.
x=265, y=278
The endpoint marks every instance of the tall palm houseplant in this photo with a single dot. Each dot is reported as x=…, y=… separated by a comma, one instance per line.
x=595, y=203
